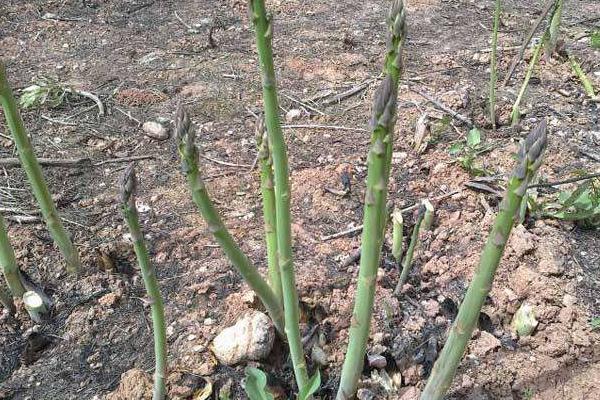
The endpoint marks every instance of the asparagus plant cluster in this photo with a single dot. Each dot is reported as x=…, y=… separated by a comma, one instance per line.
x=529, y=160
x=128, y=189
x=35, y=175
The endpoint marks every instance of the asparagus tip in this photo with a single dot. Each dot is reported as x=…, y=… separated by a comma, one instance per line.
x=182, y=126
x=128, y=184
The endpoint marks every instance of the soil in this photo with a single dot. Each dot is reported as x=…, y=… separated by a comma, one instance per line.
x=141, y=60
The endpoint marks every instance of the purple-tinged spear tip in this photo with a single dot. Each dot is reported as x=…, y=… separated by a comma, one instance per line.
x=183, y=131
x=128, y=185
x=531, y=152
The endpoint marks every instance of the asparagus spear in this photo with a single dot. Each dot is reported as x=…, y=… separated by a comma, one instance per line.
x=529, y=159
x=397, y=235
x=494, y=64
x=375, y=214
x=554, y=28
x=268, y=193
x=516, y=113
x=8, y=262
x=128, y=189
x=414, y=240
x=35, y=175
x=264, y=33
x=189, y=159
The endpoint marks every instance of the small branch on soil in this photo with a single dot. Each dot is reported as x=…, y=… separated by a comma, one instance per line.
x=303, y=104
x=90, y=96
x=566, y=181
x=526, y=41
x=128, y=115
x=58, y=121
x=70, y=163
x=359, y=228
x=332, y=127
x=338, y=98
x=443, y=107
x=225, y=163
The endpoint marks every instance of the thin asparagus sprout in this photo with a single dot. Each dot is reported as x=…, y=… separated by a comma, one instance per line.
x=35, y=175
x=554, y=28
x=397, y=235
x=263, y=25
x=414, y=240
x=494, y=64
x=7, y=300
x=268, y=194
x=189, y=159
x=585, y=81
x=429, y=215
x=8, y=262
x=529, y=159
x=375, y=212
x=128, y=189
x=516, y=113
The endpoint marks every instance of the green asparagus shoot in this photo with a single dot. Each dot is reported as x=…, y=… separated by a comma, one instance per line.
x=530, y=158
x=128, y=189
x=188, y=153
x=35, y=175
x=375, y=210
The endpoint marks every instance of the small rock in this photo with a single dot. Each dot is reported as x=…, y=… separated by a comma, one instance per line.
x=411, y=393
x=521, y=241
x=108, y=300
x=251, y=338
x=431, y=308
x=569, y=300
x=136, y=384
x=293, y=114
x=365, y=394
x=412, y=375
x=484, y=344
x=155, y=130
x=377, y=361
x=319, y=356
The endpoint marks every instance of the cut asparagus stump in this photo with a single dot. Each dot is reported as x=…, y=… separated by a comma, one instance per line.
x=397, y=235
x=35, y=306
x=263, y=25
x=128, y=188
x=529, y=159
x=8, y=262
x=188, y=153
x=428, y=216
x=375, y=212
x=35, y=175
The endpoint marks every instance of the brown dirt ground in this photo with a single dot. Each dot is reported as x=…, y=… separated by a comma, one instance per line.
x=141, y=60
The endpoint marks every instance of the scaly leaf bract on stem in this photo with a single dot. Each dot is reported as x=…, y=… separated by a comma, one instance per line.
x=530, y=157
x=188, y=153
x=375, y=212
x=35, y=175
x=263, y=25
x=159, y=329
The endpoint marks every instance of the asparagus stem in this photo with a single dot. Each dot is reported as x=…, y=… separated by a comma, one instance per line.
x=8, y=262
x=516, y=113
x=159, y=329
x=429, y=214
x=189, y=159
x=36, y=178
x=34, y=303
x=268, y=194
x=375, y=214
x=554, y=28
x=585, y=81
x=264, y=33
x=494, y=64
x=414, y=240
x=397, y=235
x=529, y=159
x=7, y=300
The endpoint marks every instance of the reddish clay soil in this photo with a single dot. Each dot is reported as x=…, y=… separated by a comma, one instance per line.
x=141, y=60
